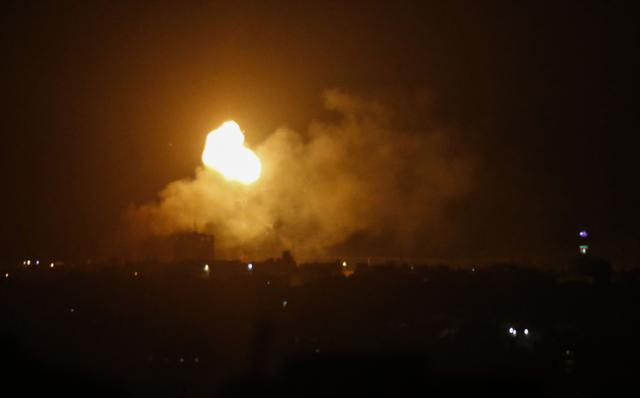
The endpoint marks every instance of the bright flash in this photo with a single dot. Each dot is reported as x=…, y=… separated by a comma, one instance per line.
x=225, y=152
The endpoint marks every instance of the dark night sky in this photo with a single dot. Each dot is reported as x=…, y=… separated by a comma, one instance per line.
x=104, y=104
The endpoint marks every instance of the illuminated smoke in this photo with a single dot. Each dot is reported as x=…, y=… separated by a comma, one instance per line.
x=361, y=177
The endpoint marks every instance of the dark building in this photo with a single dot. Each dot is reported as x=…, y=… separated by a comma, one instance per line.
x=193, y=247
x=283, y=266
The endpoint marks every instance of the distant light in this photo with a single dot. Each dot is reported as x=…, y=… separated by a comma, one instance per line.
x=268, y=283
x=6, y=274
x=473, y=270
x=181, y=360
x=28, y=262
x=250, y=266
x=583, y=249
x=526, y=332
x=51, y=265
x=284, y=304
x=37, y=262
x=344, y=263
x=511, y=330
x=196, y=360
x=72, y=310
x=206, y=268
x=515, y=332
x=583, y=233
x=135, y=273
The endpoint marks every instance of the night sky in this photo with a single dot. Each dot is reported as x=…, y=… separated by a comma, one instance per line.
x=105, y=103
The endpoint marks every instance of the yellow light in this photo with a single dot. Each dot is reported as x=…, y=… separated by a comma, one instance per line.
x=225, y=152
x=135, y=273
x=6, y=274
x=344, y=263
x=206, y=268
x=51, y=265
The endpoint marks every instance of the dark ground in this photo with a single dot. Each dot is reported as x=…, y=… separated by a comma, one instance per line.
x=385, y=331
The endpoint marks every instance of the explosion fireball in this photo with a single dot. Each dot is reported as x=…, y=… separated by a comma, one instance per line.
x=225, y=152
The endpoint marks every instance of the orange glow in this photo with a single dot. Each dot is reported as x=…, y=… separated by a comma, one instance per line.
x=225, y=152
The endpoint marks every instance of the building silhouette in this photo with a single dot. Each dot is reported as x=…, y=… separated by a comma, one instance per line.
x=193, y=247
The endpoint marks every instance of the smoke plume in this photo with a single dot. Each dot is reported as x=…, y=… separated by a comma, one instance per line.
x=358, y=177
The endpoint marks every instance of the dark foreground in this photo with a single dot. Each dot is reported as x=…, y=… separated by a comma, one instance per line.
x=171, y=331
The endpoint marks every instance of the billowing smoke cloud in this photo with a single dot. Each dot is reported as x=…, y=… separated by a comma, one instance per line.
x=358, y=176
